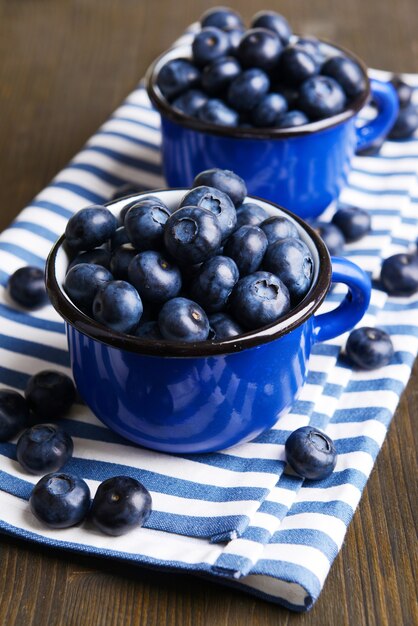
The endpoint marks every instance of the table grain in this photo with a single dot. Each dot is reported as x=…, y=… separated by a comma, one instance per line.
x=65, y=65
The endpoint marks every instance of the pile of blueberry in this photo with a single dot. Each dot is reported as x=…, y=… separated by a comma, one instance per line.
x=263, y=77
x=213, y=268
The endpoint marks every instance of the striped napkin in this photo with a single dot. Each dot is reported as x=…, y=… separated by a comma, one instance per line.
x=235, y=515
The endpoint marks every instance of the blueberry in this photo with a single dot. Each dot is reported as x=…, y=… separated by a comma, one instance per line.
x=181, y=319
x=312, y=46
x=144, y=223
x=119, y=238
x=222, y=326
x=156, y=279
x=369, y=348
x=247, y=247
x=234, y=36
x=403, y=90
x=60, y=500
x=259, y=299
x=406, y=123
x=128, y=189
x=347, y=73
x=331, y=236
x=259, y=48
x=222, y=17
x=50, y=394
x=44, y=448
x=190, y=102
x=275, y=22
x=373, y=148
x=119, y=262
x=121, y=504
x=218, y=75
x=217, y=112
x=26, y=286
x=127, y=206
x=215, y=201
x=14, y=413
x=209, y=44
x=248, y=89
x=192, y=235
x=320, y=97
x=224, y=180
x=176, y=77
x=250, y=214
x=269, y=110
x=291, y=119
x=290, y=94
x=399, y=274
x=118, y=306
x=214, y=283
x=82, y=282
x=278, y=227
x=90, y=227
x=149, y=330
x=353, y=222
x=311, y=453
x=291, y=260
x=297, y=65
x=97, y=256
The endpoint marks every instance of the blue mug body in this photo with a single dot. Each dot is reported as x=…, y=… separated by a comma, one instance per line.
x=303, y=169
x=201, y=397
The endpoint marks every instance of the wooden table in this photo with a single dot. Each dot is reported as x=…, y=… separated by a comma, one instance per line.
x=65, y=65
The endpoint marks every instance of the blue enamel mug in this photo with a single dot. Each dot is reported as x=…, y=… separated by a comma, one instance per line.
x=302, y=168
x=200, y=397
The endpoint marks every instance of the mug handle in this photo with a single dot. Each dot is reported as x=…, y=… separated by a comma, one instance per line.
x=352, y=308
x=385, y=97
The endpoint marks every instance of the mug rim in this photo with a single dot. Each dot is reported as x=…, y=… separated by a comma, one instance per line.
x=236, y=132
x=165, y=348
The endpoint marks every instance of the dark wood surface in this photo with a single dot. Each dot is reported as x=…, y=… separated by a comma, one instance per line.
x=64, y=67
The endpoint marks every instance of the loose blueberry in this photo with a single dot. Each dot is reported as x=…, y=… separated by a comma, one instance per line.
x=403, y=91
x=291, y=260
x=406, y=123
x=275, y=22
x=119, y=262
x=311, y=453
x=278, y=227
x=14, y=413
x=332, y=237
x=250, y=214
x=44, y=448
x=156, y=279
x=214, y=283
x=128, y=189
x=144, y=223
x=97, y=256
x=216, y=112
x=373, y=148
x=209, y=44
x=26, y=286
x=297, y=65
x=149, y=330
x=347, y=73
x=118, y=306
x=268, y=112
x=222, y=326
x=353, y=222
x=82, y=282
x=120, y=505
x=181, y=319
x=50, y=394
x=224, y=180
x=248, y=89
x=60, y=500
x=215, y=201
x=247, y=247
x=292, y=119
x=259, y=299
x=321, y=97
x=222, y=17
x=259, y=48
x=218, y=75
x=192, y=235
x=119, y=238
x=176, y=77
x=399, y=274
x=369, y=348
x=190, y=102
x=90, y=227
